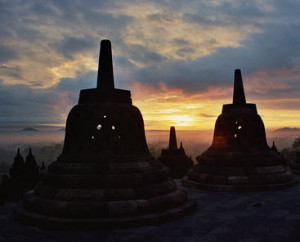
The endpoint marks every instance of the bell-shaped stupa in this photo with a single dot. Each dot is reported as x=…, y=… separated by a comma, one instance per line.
x=239, y=157
x=175, y=158
x=105, y=176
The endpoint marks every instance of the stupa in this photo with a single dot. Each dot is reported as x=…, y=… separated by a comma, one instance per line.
x=23, y=176
x=105, y=176
x=174, y=158
x=239, y=157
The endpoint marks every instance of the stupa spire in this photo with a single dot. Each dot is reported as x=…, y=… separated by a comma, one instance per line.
x=105, y=79
x=238, y=92
x=274, y=147
x=172, y=141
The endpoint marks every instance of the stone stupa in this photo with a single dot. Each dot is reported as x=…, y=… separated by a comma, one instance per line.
x=175, y=158
x=239, y=157
x=105, y=176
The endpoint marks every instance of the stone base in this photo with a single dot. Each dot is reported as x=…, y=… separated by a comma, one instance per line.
x=239, y=188
x=125, y=192
x=57, y=223
x=178, y=165
x=259, y=178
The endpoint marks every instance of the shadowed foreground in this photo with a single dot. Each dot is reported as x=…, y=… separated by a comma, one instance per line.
x=219, y=216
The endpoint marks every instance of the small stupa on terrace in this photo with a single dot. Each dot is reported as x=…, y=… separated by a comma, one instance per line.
x=175, y=158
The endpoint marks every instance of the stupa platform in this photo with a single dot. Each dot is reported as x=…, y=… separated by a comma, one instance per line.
x=220, y=216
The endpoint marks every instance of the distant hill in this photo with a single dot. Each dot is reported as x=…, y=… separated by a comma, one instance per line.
x=62, y=129
x=287, y=129
x=30, y=129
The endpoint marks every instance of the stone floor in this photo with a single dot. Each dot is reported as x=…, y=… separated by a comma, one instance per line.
x=219, y=216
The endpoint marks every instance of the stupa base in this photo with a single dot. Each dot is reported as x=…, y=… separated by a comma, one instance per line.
x=178, y=169
x=240, y=183
x=57, y=223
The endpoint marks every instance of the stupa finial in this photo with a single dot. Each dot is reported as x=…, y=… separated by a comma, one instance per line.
x=105, y=79
x=238, y=93
x=172, y=141
x=274, y=147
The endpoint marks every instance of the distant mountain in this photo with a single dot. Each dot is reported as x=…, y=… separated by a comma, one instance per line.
x=287, y=129
x=62, y=129
x=30, y=129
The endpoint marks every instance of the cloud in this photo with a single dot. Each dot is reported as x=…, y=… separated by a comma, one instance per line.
x=70, y=45
x=49, y=50
x=21, y=103
x=6, y=54
x=13, y=72
x=207, y=115
x=273, y=49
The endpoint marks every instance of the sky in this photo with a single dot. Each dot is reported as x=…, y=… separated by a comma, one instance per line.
x=177, y=58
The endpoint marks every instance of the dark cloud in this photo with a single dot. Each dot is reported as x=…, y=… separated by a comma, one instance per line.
x=207, y=115
x=21, y=103
x=87, y=80
x=6, y=53
x=185, y=51
x=51, y=105
x=44, y=9
x=161, y=18
x=235, y=13
x=144, y=55
x=14, y=72
x=180, y=41
x=71, y=45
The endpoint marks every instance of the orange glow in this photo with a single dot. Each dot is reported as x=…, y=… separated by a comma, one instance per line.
x=162, y=107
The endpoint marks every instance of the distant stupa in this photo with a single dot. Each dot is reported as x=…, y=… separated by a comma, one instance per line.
x=23, y=176
x=239, y=157
x=16, y=172
x=105, y=176
x=175, y=158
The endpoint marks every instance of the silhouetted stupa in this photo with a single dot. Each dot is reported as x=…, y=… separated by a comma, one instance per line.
x=16, y=172
x=30, y=170
x=105, y=176
x=239, y=157
x=23, y=176
x=175, y=158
